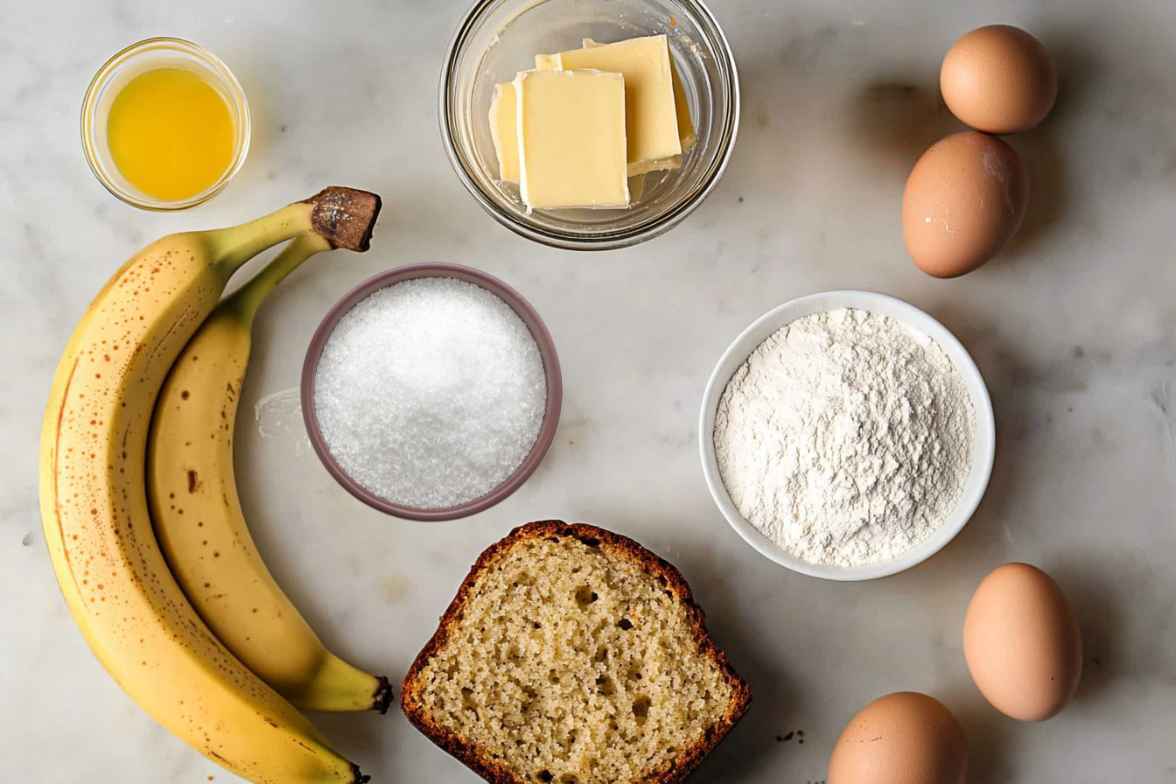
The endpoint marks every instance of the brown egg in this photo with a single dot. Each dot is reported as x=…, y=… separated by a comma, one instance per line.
x=964, y=199
x=904, y=737
x=1022, y=643
x=999, y=79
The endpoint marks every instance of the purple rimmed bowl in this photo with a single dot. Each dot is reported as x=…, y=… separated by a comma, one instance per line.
x=551, y=372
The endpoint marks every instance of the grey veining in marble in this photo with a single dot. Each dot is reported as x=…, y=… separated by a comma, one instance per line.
x=1074, y=328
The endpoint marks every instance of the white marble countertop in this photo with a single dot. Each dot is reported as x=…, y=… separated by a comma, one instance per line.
x=1074, y=328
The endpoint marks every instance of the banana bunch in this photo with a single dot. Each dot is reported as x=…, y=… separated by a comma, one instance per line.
x=196, y=632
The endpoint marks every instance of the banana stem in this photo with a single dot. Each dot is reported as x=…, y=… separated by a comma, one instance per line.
x=247, y=299
x=343, y=217
x=235, y=245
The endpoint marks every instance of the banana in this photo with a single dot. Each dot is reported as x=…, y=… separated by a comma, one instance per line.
x=197, y=514
x=94, y=503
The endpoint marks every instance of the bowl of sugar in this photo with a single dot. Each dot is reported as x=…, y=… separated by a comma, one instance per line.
x=431, y=392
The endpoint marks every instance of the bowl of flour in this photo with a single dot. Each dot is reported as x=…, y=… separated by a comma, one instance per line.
x=847, y=435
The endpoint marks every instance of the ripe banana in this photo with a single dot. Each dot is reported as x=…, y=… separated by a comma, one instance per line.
x=197, y=514
x=94, y=503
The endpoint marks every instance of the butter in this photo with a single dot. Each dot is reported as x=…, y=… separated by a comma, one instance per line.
x=686, y=132
x=547, y=62
x=571, y=139
x=651, y=112
x=504, y=131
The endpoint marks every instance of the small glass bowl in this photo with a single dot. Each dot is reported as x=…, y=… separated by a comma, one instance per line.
x=500, y=37
x=148, y=55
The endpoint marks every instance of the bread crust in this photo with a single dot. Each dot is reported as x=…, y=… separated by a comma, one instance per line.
x=493, y=771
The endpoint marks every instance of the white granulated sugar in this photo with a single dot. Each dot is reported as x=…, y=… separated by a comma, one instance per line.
x=845, y=438
x=430, y=393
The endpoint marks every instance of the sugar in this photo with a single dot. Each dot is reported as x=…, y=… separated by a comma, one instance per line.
x=430, y=393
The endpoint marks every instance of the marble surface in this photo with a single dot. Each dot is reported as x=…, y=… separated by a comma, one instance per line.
x=1074, y=328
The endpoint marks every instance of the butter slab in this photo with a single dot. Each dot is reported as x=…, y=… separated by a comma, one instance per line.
x=571, y=139
x=504, y=131
x=686, y=132
x=654, y=142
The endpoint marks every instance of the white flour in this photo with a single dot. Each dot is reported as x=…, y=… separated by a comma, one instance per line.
x=845, y=437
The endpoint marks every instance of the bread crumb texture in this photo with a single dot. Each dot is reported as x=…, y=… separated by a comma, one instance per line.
x=576, y=660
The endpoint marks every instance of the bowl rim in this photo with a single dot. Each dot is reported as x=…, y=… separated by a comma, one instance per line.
x=551, y=371
x=910, y=316
x=607, y=240
x=217, y=65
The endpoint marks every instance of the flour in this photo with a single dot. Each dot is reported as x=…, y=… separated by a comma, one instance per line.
x=845, y=438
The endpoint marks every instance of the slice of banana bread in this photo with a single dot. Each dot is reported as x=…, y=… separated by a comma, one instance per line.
x=573, y=655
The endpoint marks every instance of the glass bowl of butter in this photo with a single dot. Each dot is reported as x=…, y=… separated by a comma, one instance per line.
x=589, y=124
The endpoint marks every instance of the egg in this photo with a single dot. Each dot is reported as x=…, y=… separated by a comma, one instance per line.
x=999, y=79
x=964, y=199
x=1022, y=644
x=903, y=737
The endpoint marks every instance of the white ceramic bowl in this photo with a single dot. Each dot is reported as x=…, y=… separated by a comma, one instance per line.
x=984, y=446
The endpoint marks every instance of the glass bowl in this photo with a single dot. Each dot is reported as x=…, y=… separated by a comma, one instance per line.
x=148, y=55
x=500, y=37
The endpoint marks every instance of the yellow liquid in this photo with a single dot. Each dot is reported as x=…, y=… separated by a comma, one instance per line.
x=170, y=133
